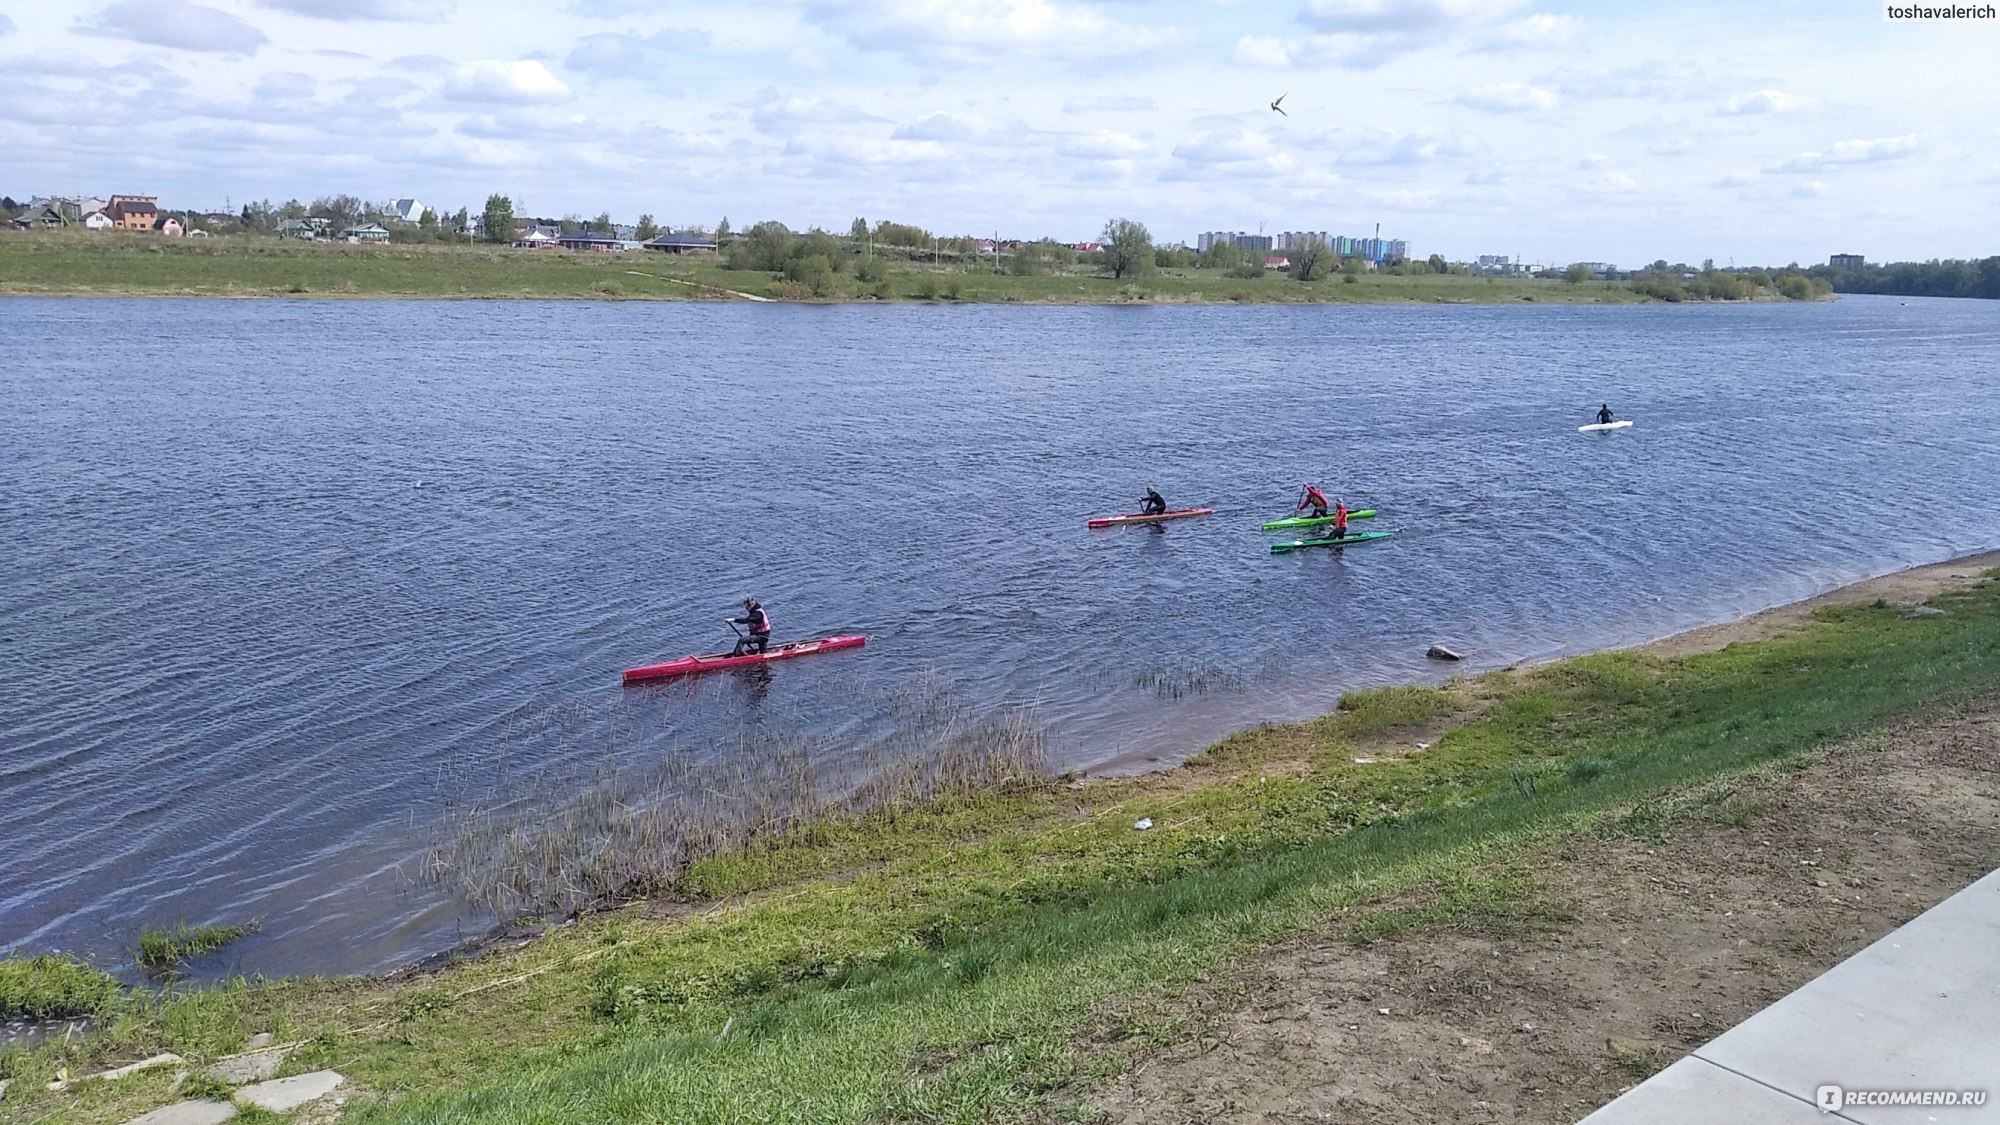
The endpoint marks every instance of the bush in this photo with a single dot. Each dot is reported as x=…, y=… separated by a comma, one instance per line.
x=1795, y=287
x=1658, y=286
x=1248, y=270
x=870, y=269
x=927, y=288
x=812, y=271
x=787, y=290
x=1349, y=279
x=953, y=291
x=52, y=986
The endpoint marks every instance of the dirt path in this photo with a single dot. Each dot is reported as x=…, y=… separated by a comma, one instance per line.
x=1670, y=928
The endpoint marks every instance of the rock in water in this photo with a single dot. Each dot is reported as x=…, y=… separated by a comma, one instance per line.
x=1439, y=652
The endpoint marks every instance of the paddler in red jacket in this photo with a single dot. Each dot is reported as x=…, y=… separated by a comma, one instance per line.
x=1316, y=500
x=1340, y=518
x=760, y=628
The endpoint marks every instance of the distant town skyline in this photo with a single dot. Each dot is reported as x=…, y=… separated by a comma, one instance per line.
x=1549, y=131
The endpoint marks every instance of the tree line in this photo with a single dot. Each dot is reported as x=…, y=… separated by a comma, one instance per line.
x=1978, y=278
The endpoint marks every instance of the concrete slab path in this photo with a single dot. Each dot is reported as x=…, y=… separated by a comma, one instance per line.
x=1918, y=1010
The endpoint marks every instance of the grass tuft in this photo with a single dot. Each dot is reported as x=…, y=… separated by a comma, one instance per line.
x=166, y=948
x=53, y=986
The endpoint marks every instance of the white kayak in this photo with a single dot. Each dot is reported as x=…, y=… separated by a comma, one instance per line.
x=1603, y=426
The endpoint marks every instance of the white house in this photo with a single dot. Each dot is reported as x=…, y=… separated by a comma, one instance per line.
x=408, y=210
x=98, y=220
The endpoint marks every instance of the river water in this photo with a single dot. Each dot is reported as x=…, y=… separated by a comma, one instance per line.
x=280, y=578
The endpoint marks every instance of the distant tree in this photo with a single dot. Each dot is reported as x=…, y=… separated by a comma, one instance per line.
x=858, y=231
x=645, y=229
x=498, y=219
x=1220, y=256
x=901, y=234
x=259, y=216
x=428, y=222
x=1659, y=266
x=768, y=245
x=292, y=209
x=1173, y=257
x=1128, y=248
x=343, y=210
x=813, y=271
x=1577, y=273
x=1436, y=264
x=569, y=224
x=461, y=221
x=1312, y=260
x=8, y=205
x=869, y=269
x=602, y=222
x=1708, y=265
x=722, y=231
x=819, y=244
x=1352, y=267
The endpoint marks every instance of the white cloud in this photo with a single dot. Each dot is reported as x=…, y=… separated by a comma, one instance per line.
x=1509, y=97
x=421, y=11
x=173, y=23
x=1594, y=160
x=1109, y=104
x=1851, y=152
x=1399, y=16
x=615, y=9
x=985, y=31
x=517, y=82
x=422, y=64
x=1672, y=146
x=6, y=25
x=1538, y=32
x=1767, y=101
x=1103, y=144
x=1812, y=189
x=941, y=127
x=785, y=114
x=1366, y=34
x=285, y=86
x=1225, y=146
x=608, y=55
x=1392, y=147
x=1654, y=81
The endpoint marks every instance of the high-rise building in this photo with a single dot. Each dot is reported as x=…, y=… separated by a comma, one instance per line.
x=1847, y=261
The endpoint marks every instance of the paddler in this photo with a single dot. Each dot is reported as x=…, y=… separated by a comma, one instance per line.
x=1155, y=504
x=1340, y=518
x=1316, y=500
x=760, y=628
x=1604, y=415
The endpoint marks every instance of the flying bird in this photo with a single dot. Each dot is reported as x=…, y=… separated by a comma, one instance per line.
x=1281, y=97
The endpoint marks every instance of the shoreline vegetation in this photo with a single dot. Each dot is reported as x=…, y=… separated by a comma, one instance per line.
x=94, y=264
x=1013, y=952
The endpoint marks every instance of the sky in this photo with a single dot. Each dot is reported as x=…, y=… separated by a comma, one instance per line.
x=1746, y=132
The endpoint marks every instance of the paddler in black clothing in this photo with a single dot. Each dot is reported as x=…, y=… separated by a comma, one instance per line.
x=760, y=628
x=1155, y=504
x=1604, y=415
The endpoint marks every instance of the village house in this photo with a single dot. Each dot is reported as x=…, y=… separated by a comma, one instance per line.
x=681, y=242
x=42, y=215
x=373, y=232
x=169, y=226
x=298, y=228
x=133, y=212
x=408, y=210
x=535, y=237
x=589, y=240
x=98, y=220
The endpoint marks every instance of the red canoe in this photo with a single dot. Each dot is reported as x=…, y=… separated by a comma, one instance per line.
x=1114, y=521
x=687, y=665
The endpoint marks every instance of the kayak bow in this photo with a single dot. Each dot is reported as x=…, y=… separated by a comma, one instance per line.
x=1348, y=541
x=687, y=665
x=1138, y=517
x=1315, y=521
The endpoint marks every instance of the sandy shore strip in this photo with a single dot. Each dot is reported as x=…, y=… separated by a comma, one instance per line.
x=1909, y=587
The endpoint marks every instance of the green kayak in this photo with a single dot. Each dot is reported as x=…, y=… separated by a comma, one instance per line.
x=1315, y=521
x=1348, y=541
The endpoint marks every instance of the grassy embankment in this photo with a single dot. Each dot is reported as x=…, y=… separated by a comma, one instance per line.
x=1001, y=954
x=93, y=264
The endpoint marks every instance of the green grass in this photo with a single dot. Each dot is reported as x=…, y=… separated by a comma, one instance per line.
x=166, y=948
x=52, y=986
x=982, y=957
x=104, y=264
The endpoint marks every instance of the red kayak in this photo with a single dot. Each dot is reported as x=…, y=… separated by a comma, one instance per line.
x=1184, y=513
x=688, y=665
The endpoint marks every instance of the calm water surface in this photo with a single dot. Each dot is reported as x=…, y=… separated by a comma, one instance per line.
x=280, y=578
